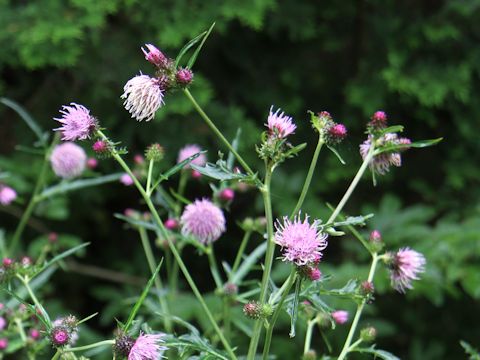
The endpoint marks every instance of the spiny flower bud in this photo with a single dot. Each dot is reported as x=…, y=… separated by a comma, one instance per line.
x=314, y=274
x=378, y=121
x=123, y=345
x=184, y=76
x=255, y=310
x=368, y=334
x=336, y=133
x=227, y=195
x=101, y=147
x=155, y=152
x=59, y=336
x=310, y=355
x=325, y=116
x=308, y=309
x=230, y=289
x=375, y=241
x=367, y=288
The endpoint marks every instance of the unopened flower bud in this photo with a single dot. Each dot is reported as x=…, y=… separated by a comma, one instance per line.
x=92, y=163
x=34, y=334
x=375, y=241
x=252, y=309
x=378, y=121
x=155, y=56
x=307, y=309
x=368, y=334
x=230, y=289
x=184, y=76
x=26, y=261
x=59, y=336
x=100, y=147
x=227, y=195
x=138, y=159
x=367, y=288
x=171, y=224
x=336, y=134
x=314, y=274
x=196, y=174
x=7, y=262
x=3, y=343
x=123, y=345
x=52, y=237
x=310, y=355
x=340, y=316
x=3, y=323
x=325, y=116
x=155, y=152
x=324, y=320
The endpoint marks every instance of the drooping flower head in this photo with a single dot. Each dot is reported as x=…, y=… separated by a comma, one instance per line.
x=7, y=195
x=155, y=56
x=190, y=150
x=340, y=316
x=302, y=243
x=143, y=97
x=203, y=220
x=405, y=266
x=279, y=124
x=147, y=347
x=77, y=123
x=68, y=160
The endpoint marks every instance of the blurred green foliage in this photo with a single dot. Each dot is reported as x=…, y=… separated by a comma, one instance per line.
x=417, y=60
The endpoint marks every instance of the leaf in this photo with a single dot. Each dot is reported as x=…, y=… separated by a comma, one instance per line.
x=353, y=220
x=193, y=58
x=142, y=297
x=474, y=354
x=137, y=223
x=64, y=187
x=295, y=150
x=382, y=354
x=87, y=318
x=60, y=257
x=43, y=316
x=31, y=123
x=292, y=309
x=416, y=144
x=336, y=153
x=392, y=129
x=250, y=261
x=187, y=47
x=231, y=157
x=219, y=171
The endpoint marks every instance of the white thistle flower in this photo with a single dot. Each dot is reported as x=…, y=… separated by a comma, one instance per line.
x=143, y=97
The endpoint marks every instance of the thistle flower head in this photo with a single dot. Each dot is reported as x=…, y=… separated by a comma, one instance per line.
x=378, y=121
x=279, y=124
x=147, y=347
x=68, y=160
x=301, y=241
x=155, y=152
x=227, y=194
x=77, y=123
x=59, y=336
x=337, y=133
x=155, y=56
x=340, y=316
x=203, y=220
x=190, y=150
x=143, y=97
x=405, y=266
x=3, y=323
x=381, y=163
x=184, y=76
x=7, y=195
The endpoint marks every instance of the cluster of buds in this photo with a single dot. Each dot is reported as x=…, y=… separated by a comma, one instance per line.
x=64, y=331
x=255, y=310
x=10, y=267
x=332, y=133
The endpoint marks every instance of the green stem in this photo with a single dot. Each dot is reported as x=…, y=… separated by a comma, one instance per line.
x=57, y=355
x=226, y=317
x=309, y=177
x=217, y=132
x=33, y=200
x=358, y=314
x=213, y=266
x=158, y=281
x=241, y=250
x=25, y=282
x=149, y=177
x=276, y=313
x=21, y=331
x=268, y=260
x=355, y=344
x=91, y=346
x=181, y=190
x=353, y=185
x=181, y=264
x=308, y=335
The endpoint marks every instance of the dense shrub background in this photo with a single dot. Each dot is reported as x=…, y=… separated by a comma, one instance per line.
x=417, y=60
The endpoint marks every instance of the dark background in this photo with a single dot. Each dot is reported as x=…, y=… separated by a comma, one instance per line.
x=417, y=60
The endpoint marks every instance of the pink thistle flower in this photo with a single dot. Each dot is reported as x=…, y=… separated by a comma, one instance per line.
x=227, y=194
x=7, y=262
x=381, y=163
x=203, y=220
x=34, y=334
x=301, y=242
x=314, y=274
x=59, y=336
x=338, y=132
x=405, y=266
x=143, y=97
x=3, y=323
x=138, y=159
x=3, y=343
x=171, y=224
x=68, y=160
x=7, y=195
x=126, y=180
x=378, y=120
x=92, y=163
x=190, y=150
x=340, y=316
x=100, y=146
x=184, y=76
x=155, y=56
x=147, y=347
x=279, y=124
x=77, y=123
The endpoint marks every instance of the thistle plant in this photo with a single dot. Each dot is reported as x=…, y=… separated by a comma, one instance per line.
x=295, y=240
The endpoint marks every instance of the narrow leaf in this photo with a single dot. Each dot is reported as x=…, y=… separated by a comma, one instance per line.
x=293, y=309
x=187, y=47
x=336, y=153
x=231, y=157
x=60, y=257
x=87, y=318
x=219, y=171
x=43, y=316
x=416, y=144
x=250, y=261
x=392, y=129
x=137, y=223
x=193, y=58
x=142, y=297
x=382, y=354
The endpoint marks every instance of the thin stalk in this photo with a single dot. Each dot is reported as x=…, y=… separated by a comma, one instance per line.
x=213, y=267
x=226, y=317
x=241, y=250
x=276, y=313
x=149, y=177
x=353, y=185
x=308, y=336
x=33, y=200
x=309, y=177
x=217, y=132
x=25, y=283
x=57, y=355
x=182, y=183
x=358, y=314
x=268, y=260
x=355, y=344
x=91, y=346
x=158, y=281
x=174, y=251
x=21, y=331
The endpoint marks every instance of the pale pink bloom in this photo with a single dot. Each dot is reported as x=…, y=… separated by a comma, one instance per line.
x=143, y=97
x=147, y=347
x=190, y=150
x=77, y=123
x=68, y=160
x=3, y=343
x=7, y=195
x=3, y=323
x=227, y=194
x=302, y=243
x=92, y=163
x=340, y=316
x=126, y=180
x=203, y=220
x=155, y=56
x=405, y=267
x=279, y=124
x=381, y=163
